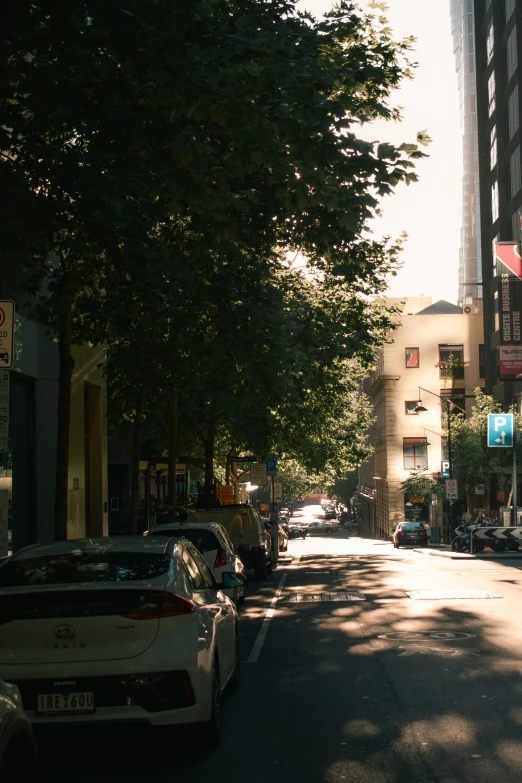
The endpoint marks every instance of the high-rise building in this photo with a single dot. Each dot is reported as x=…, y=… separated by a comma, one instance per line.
x=498, y=34
x=470, y=263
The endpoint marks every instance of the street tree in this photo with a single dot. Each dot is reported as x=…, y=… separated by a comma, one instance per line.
x=230, y=122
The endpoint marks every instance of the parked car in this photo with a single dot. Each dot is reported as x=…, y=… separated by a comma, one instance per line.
x=329, y=512
x=286, y=511
x=410, y=533
x=297, y=530
x=120, y=629
x=323, y=528
x=215, y=545
x=246, y=529
x=18, y=754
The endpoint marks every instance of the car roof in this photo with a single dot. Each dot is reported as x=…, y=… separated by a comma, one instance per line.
x=100, y=545
x=215, y=527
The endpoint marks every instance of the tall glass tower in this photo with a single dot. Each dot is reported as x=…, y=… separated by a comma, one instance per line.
x=470, y=262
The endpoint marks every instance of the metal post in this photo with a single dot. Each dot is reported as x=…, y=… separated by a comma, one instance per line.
x=147, y=497
x=275, y=524
x=471, y=541
x=515, y=476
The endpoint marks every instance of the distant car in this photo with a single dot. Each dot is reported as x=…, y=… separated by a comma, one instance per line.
x=324, y=528
x=215, y=545
x=329, y=512
x=410, y=534
x=296, y=530
x=286, y=511
x=117, y=630
x=18, y=755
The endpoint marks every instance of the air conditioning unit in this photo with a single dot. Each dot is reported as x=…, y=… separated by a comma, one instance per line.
x=467, y=309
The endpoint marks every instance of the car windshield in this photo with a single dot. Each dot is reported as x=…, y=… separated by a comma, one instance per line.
x=412, y=526
x=204, y=540
x=78, y=567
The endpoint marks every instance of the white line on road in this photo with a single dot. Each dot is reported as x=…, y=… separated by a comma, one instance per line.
x=258, y=644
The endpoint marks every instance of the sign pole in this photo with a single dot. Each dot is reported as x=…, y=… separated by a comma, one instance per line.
x=515, y=476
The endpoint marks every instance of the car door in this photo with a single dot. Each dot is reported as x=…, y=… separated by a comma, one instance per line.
x=220, y=608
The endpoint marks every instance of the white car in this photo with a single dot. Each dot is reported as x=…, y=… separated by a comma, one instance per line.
x=18, y=754
x=118, y=629
x=215, y=545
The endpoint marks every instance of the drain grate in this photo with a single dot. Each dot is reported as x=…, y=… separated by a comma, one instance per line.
x=448, y=595
x=303, y=598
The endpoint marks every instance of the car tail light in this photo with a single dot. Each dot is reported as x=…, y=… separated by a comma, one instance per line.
x=401, y=533
x=423, y=533
x=155, y=604
x=222, y=558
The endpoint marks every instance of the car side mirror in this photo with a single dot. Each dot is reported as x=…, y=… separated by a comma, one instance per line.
x=230, y=579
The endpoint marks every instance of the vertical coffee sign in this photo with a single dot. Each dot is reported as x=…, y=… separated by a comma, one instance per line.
x=510, y=310
x=4, y=411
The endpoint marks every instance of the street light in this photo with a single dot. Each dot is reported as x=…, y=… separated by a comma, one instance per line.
x=419, y=408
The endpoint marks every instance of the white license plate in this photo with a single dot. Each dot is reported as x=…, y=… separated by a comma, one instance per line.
x=65, y=703
x=412, y=535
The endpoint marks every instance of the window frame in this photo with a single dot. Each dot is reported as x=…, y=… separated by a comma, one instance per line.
x=417, y=459
x=451, y=372
x=409, y=366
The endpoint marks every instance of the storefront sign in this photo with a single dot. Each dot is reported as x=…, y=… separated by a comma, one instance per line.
x=510, y=314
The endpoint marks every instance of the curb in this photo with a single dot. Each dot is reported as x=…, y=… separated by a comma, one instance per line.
x=448, y=555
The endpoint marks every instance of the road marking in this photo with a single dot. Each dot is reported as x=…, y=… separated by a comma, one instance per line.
x=414, y=649
x=418, y=636
x=258, y=644
x=304, y=598
x=448, y=595
x=317, y=572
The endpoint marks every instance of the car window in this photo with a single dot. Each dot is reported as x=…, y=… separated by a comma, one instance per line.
x=203, y=568
x=224, y=532
x=203, y=540
x=80, y=566
x=196, y=577
x=412, y=526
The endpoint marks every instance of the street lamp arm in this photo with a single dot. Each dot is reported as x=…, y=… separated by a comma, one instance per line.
x=445, y=399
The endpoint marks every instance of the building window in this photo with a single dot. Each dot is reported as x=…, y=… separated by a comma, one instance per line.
x=494, y=202
x=410, y=406
x=451, y=361
x=455, y=396
x=491, y=93
x=513, y=113
x=490, y=41
x=415, y=453
x=482, y=361
x=514, y=172
x=412, y=357
x=510, y=7
x=493, y=147
x=512, y=60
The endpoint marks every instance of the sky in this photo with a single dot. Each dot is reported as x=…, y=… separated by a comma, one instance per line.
x=429, y=211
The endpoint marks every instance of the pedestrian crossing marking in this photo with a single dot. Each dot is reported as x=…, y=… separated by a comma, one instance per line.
x=302, y=598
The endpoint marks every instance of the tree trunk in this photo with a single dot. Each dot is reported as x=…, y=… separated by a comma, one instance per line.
x=173, y=447
x=209, y=453
x=63, y=425
x=135, y=466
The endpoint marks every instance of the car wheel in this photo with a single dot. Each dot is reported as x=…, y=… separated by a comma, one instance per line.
x=211, y=730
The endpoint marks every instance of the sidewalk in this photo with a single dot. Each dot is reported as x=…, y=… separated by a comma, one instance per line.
x=444, y=550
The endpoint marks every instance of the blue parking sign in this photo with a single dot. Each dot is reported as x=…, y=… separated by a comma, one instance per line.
x=500, y=430
x=271, y=466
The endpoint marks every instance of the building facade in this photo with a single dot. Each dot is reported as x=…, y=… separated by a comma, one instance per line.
x=498, y=34
x=28, y=470
x=470, y=256
x=436, y=353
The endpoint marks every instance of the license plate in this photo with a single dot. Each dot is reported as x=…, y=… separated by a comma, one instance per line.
x=65, y=703
x=412, y=535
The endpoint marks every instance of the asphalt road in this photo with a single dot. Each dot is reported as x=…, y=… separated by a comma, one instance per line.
x=351, y=679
